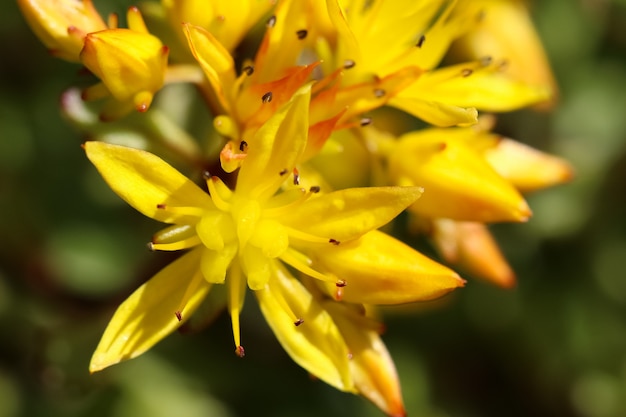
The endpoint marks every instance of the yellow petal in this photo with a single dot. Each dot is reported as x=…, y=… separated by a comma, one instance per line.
x=434, y=112
x=150, y=313
x=372, y=368
x=61, y=25
x=315, y=344
x=471, y=247
x=506, y=32
x=526, y=168
x=145, y=181
x=379, y=269
x=347, y=214
x=473, y=84
x=458, y=183
x=276, y=148
x=215, y=60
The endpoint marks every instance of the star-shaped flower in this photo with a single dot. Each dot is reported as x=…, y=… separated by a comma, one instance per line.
x=261, y=234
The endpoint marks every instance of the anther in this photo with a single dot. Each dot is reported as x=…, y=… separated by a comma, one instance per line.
x=379, y=92
x=348, y=63
x=178, y=315
x=161, y=206
x=271, y=22
x=248, y=69
x=298, y=322
x=296, y=177
x=206, y=174
x=341, y=283
x=283, y=172
x=334, y=241
x=240, y=351
x=366, y=121
x=243, y=145
x=420, y=42
x=150, y=246
x=267, y=97
x=302, y=33
x=315, y=189
x=466, y=72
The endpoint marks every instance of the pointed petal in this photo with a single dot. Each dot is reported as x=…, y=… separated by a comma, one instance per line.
x=471, y=247
x=149, y=314
x=379, y=269
x=458, y=183
x=372, y=367
x=526, y=168
x=472, y=84
x=145, y=181
x=277, y=146
x=316, y=344
x=215, y=60
x=434, y=112
x=347, y=214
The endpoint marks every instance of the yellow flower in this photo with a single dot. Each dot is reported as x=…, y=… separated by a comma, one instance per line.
x=131, y=63
x=248, y=235
x=61, y=25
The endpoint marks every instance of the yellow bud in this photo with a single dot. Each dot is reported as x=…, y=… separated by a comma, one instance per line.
x=61, y=25
x=129, y=63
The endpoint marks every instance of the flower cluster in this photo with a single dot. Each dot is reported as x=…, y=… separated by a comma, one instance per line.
x=301, y=161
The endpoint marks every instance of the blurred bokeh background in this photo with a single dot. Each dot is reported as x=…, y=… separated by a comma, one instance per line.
x=553, y=346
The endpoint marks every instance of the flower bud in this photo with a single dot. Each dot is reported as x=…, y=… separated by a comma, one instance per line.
x=61, y=25
x=131, y=64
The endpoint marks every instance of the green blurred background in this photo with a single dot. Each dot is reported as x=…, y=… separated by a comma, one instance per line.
x=553, y=346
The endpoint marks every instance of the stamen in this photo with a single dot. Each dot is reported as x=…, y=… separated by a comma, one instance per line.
x=341, y=283
x=466, y=72
x=379, y=92
x=219, y=202
x=206, y=174
x=283, y=172
x=243, y=145
x=348, y=63
x=298, y=322
x=296, y=177
x=271, y=22
x=181, y=211
x=334, y=242
x=315, y=189
x=304, y=236
x=267, y=97
x=279, y=297
x=248, y=70
x=173, y=246
x=366, y=121
x=240, y=351
x=302, y=33
x=420, y=42
x=193, y=286
x=294, y=259
x=235, y=299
